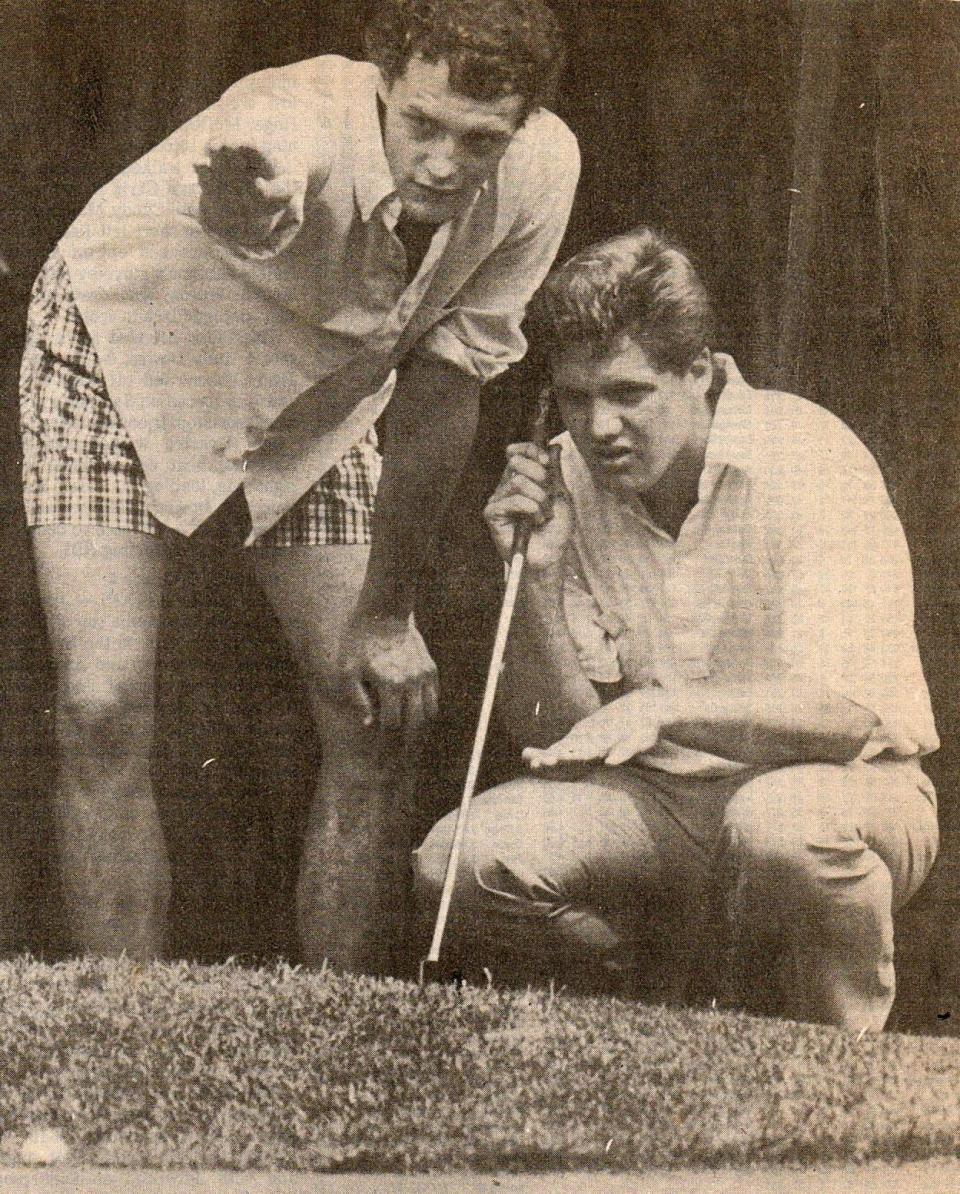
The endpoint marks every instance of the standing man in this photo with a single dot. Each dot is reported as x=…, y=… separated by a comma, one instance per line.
x=713, y=669
x=230, y=316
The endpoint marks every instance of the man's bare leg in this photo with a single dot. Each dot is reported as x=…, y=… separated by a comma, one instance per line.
x=354, y=869
x=101, y=590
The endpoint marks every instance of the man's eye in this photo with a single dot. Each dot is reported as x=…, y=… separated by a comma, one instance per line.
x=569, y=398
x=421, y=126
x=484, y=143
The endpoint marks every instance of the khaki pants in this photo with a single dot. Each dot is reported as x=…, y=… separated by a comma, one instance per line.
x=772, y=890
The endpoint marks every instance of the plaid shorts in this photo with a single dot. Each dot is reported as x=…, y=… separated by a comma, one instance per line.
x=80, y=466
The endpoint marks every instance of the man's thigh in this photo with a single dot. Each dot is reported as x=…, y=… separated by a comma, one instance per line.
x=312, y=564
x=887, y=808
x=609, y=836
x=314, y=592
x=100, y=589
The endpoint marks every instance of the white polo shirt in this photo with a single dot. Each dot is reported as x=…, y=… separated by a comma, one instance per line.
x=793, y=561
x=264, y=369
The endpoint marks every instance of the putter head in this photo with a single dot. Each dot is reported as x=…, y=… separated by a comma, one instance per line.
x=439, y=972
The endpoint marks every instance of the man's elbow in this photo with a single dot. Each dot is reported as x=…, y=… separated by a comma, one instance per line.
x=849, y=734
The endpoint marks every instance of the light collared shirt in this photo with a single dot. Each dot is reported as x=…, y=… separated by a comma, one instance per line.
x=233, y=368
x=793, y=561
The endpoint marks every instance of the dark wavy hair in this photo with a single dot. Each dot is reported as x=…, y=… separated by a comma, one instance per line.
x=639, y=284
x=494, y=48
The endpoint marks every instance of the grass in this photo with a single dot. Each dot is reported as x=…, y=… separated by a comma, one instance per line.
x=183, y=1065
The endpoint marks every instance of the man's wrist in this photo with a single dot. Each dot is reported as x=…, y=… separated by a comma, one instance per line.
x=664, y=704
x=383, y=597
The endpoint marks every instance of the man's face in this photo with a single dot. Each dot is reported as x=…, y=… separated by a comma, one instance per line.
x=632, y=423
x=441, y=146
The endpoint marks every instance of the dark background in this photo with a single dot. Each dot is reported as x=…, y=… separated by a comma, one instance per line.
x=805, y=152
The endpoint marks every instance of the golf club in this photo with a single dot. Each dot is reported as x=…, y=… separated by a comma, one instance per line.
x=521, y=539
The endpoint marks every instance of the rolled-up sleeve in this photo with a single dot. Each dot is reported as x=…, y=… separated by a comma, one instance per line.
x=482, y=334
x=848, y=606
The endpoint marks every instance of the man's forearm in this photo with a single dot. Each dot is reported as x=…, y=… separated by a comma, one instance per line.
x=543, y=690
x=789, y=719
x=431, y=423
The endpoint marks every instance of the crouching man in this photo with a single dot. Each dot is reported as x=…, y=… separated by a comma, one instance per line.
x=713, y=669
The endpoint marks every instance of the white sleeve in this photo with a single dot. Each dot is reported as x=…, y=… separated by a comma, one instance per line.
x=482, y=335
x=848, y=605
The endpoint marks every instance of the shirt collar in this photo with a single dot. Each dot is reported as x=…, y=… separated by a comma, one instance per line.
x=372, y=180
x=733, y=432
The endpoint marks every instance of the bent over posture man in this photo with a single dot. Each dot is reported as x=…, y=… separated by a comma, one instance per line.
x=713, y=667
x=230, y=316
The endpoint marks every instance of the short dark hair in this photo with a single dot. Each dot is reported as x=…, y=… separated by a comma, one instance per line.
x=495, y=48
x=639, y=284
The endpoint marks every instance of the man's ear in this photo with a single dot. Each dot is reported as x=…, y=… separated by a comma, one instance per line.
x=701, y=370
x=702, y=363
x=385, y=83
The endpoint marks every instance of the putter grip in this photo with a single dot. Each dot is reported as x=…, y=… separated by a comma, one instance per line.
x=538, y=435
x=521, y=537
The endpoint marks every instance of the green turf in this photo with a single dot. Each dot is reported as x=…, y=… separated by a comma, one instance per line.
x=177, y=1065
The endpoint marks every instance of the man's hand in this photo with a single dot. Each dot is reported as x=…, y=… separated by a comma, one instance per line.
x=613, y=734
x=245, y=201
x=531, y=487
x=387, y=674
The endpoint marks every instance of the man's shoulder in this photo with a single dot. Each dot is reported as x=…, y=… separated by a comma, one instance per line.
x=329, y=75
x=783, y=413
x=808, y=465
x=787, y=431
x=543, y=156
x=544, y=133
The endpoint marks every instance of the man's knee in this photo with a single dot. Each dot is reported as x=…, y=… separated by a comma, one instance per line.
x=104, y=714
x=788, y=831
x=430, y=862
x=323, y=684
x=490, y=859
x=338, y=719
x=759, y=827
x=502, y=860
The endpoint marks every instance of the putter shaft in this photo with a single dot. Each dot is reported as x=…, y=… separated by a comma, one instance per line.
x=521, y=540
x=473, y=770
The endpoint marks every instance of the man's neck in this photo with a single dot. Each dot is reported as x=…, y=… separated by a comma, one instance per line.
x=670, y=501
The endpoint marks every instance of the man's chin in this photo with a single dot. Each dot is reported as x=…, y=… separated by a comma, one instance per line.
x=426, y=210
x=619, y=484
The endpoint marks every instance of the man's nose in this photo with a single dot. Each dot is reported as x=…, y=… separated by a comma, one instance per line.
x=605, y=420
x=442, y=161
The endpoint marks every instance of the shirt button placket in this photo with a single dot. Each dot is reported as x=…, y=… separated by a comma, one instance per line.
x=684, y=626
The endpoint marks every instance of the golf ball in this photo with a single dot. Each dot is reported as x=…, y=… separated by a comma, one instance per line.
x=44, y=1146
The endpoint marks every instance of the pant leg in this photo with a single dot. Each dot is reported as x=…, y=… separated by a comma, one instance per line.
x=592, y=881
x=814, y=860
